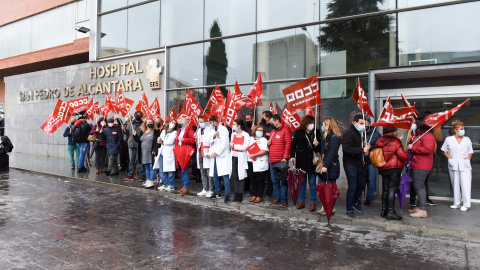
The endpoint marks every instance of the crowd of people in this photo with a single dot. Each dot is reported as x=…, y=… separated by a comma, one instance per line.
x=145, y=148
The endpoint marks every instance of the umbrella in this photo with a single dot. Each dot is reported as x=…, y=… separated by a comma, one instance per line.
x=281, y=171
x=328, y=193
x=404, y=183
x=183, y=154
x=295, y=179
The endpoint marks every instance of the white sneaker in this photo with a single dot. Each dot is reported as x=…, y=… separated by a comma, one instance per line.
x=149, y=184
x=209, y=194
x=202, y=193
x=454, y=206
x=144, y=183
x=169, y=189
x=162, y=188
x=463, y=208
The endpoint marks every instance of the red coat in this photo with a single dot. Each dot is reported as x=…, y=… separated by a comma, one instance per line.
x=281, y=143
x=189, y=138
x=393, y=152
x=422, y=152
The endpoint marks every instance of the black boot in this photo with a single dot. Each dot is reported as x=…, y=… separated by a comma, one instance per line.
x=385, y=179
x=383, y=213
x=240, y=197
x=227, y=198
x=392, y=188
x=392, y=215
x=235, y=198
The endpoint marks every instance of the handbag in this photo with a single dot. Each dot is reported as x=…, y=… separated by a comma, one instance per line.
x=316, y=156
x=92, y=138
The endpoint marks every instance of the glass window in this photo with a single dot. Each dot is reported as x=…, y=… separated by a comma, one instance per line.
x=181, y=21
x=233, y=16
x=177, y=98
x=230, y=58
x=143, y=27
x=427, y=37
x=287, y=54
x=83, y=10
x=278, y=13
x=185, y=66
x=416, y=3
x=106, y=5
x=353, y=46
x=115, y=40
x=330, y=9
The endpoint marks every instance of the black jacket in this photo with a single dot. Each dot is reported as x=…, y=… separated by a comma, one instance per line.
x=329, y=149
x=114, y=137
x=352, y=147
x=268, y=128
x=302, y=151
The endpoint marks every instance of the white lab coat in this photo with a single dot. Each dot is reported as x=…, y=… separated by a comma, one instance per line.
x=261, y=163
x=201, y=139
x=242, y=156
x=166, y=150
x=220, y=146
x=458, y=152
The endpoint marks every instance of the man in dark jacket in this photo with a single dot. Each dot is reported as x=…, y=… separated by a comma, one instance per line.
x=81, y=141
x=113, y=135
x=133, y=147
x=372, y=137
x=268, y=128
x=72, y=146
x=354, y=151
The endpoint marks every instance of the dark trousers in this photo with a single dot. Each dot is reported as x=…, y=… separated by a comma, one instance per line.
x=269, y=182
x=258, y=183
x=356, y=178
x=100, y=154
x=238, y=185
x=389, y=188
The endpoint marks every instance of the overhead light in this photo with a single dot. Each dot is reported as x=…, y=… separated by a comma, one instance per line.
x=195, y=79
x=447, y=103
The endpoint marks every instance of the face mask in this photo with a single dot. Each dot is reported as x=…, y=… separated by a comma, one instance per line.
x=72, y=123
x=203, y=125
x=138, y=117
x=171, y=125
x=414, y=127
x=110, y=124
x=158, y=124
x=310, y=127
x=102, y=124
x=461, y=133
x=323, y=129
x=263, y=121
x=180, y=125
x=234, y=128
x=259, y=134
x=150, y=125
x=361, y=128
x=249, y=124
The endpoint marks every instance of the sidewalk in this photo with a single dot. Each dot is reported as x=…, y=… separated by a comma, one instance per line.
x=441, y=222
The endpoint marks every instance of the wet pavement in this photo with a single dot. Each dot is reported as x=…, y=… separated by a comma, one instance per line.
x=49, y=222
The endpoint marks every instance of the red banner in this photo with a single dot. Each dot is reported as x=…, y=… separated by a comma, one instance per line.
x=51, y=124
x=230, y=110
x=142, y=105
x=256, y=92
x=272, y=109
x=105, y=109
x=128, y=106
x=240, y=98
x=396, y=118
x=278, y=108
x=216, y=97
x=78, y=104
x=407, y=104
x=302, y=95
x=96, y=108
x=62, y=111
x=438, y=119
x=111, y=102
x=89, y=110
x=361, y=100
x=191, y=109
x=120, y=100
x=291, y=120
x=171, y=115
x=154, y=109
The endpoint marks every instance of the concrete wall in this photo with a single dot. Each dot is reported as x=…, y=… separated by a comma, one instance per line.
x=25, y=117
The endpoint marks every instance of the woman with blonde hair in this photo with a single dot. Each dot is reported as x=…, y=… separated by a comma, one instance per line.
x=458, y=149
x=147, y=141
x=328, y=149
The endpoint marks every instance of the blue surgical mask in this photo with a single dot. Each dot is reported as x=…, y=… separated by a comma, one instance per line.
x=234, y=128
x=259, y=134
x=461, y=133
x=203, y=125
x=361, y=128
x=323, y=129
x=414, y=127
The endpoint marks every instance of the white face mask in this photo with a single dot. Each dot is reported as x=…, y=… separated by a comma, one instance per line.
x=171, y=125
x=103, y=124
x=310, y=127
x=110, y=124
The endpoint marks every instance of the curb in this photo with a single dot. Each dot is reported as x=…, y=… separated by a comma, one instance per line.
x=289, y=215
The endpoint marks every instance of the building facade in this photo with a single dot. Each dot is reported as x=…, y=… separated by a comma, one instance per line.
x=428, y=50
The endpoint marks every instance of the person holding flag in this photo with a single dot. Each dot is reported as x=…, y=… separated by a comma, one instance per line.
x=133, y=148
x=80, y=132
x=72, y=146
x=101, y=149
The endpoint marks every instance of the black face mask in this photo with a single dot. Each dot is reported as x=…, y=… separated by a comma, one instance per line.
x=158, y=124
x=180, y=125
x=263, y=121
x=138, y=117
x=249, y=124
x=150, y=125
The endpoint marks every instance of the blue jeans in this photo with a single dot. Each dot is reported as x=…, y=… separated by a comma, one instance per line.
x=132, y=154
x=216, y=179
x=149, y=171
x=371, y=179
x=71, y=150
x=356, y=178
x=279, y=191
x=185, y=179
x=312, y=179
x=83, y=150
x=161, y=173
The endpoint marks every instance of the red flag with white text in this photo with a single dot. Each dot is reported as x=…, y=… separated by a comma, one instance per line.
x=230, y=110
x=309, y=112
x=241, y=100
x=302, y=95
x=256, y=91
x=128, y=106
x=154, y=109
x=142, y=105
x=171, y=115
x=111, y=102
x=120, y=100
x=291, y=120
x=51, y=124
x=78, y=104
x=191, y=109
x=216, y=97
x=89, y=110
x=271, y=108
x=396, y=118
x=407, y=104
x=63, y=112
x=361, y=100
x=438, y=119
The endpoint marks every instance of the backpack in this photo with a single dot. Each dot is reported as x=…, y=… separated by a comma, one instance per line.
x=77, y=134
x=377, y=158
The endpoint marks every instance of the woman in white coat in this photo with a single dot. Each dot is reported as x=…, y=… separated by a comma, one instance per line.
x=258, y=169
x=220, y=158
x=458, y=149
x=203, y=132
x=166, y=159
x=239, y=142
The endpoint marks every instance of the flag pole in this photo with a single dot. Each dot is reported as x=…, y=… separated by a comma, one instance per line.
x=416, y=140
x=383, y=109
x=364, y=131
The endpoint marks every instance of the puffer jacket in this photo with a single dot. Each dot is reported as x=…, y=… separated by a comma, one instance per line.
x=422, y=152
x=281, y=142
x=393, y=152
x=113, y=136
x=101, y=142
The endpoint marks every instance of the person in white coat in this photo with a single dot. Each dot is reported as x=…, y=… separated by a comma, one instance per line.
x=203, y=162
x=458, y=149
x=258, y=169
x=220, y=158
x=165, y=161
x=239, y=142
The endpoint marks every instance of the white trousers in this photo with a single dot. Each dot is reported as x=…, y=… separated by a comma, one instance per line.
x=461, y=180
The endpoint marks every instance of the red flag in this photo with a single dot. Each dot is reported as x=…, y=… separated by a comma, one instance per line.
x=171, y=115
x=272, y=109
x=142, y=105
x=230, y=110
x=241, y=99
x=397, y=118
x=361, y=100
x=256, y=92
x=438, y=119
x=111, y=103
x=191, y=109
x=218, y=110
x=302, y=95
x=154, y=109
x=128, y=106
x=89, y=110
x=291, y=120
x=309, y=112
x=51, y=124
x=215, y=98
x=78, y=104
x=62, y=111
x=96, y=108
x=105, y=109
x=407, y=104
x=120, y=100
x=278, y=108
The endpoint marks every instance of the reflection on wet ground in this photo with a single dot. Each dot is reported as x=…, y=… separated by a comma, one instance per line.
x=50, y=223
